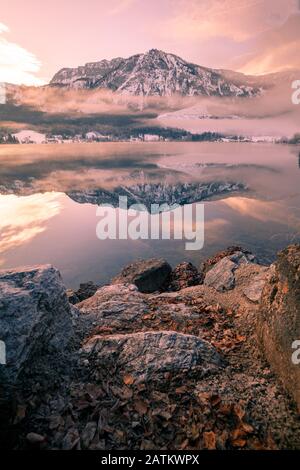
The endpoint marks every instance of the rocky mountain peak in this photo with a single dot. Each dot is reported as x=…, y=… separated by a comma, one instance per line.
x=155, y=73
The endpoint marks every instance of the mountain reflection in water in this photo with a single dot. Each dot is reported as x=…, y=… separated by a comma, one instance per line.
x=42, y=222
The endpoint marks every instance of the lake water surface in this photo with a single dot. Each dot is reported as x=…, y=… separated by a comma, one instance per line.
x=48, y=204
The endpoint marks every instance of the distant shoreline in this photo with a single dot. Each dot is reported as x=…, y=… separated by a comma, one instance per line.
x=12, y=140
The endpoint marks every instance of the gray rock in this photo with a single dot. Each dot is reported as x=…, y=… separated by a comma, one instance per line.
x=86, y=290
x=116, y=307
x=35, y=318
x=147, y=355
x=222, y=275
x=148, y=275
x=242, y=258
x=34, y=438
x=278, y=325
x=256, y=285
x=184, y=275
x=72, y=297
x=213, y=260
x=88, y=434
x=122, y=308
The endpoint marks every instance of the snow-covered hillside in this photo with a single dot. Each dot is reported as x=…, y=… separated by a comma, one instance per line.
x=30, y=137
x=155, y=73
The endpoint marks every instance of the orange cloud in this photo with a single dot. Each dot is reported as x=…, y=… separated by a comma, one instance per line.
x=23, y=218
x=261, y=36
x=235, y=19
x=275, y=50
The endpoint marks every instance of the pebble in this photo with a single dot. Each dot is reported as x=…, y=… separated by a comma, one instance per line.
x=34, y=438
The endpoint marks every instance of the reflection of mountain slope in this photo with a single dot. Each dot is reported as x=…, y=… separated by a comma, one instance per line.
x=159, y=193
x=191, y=167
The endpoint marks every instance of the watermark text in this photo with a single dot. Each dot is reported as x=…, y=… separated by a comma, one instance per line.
x=157, y=222
x=296, y=353
x=2, y=93
x=296, y=94
x=2, y=353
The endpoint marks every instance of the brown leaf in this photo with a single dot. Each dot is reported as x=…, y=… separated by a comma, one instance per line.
x=148, y=317
x=237, y=434
x=247, y=428
x=147, y=445
x=88, y=434
x=239, y=411
x=215, y=400
x=159, y=396
x=20, y=414
x=82, y=404
x=120, y=434
x=163, y=414
x=195, y=431
x=55, y=421
x=184, y=444
x=127, y=393
x=204, y=397
x=128, y=380
x=240, y=339
x=71, y=439
x=255, y=444
x=141, y=407
x=239, y=443
x=225, y=409
x=94, y=391
x=209, y=440
x=270, y=442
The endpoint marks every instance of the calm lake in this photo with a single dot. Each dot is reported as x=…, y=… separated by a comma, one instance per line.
x=49, y=196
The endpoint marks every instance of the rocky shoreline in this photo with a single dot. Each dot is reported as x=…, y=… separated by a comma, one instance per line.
x=161, y=358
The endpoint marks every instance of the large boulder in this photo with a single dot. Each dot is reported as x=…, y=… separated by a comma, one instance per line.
x=210, y=262
x=221, y=275
x=148, y=275
x=120, y=308
x=278, y=325
x=148, y=355
x=117, y=307
x=256, y=283
x=35, y=319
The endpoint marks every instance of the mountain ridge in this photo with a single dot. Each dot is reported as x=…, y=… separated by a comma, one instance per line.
x=156, y=73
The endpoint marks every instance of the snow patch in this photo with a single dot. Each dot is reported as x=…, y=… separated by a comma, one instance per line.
x=30, y=137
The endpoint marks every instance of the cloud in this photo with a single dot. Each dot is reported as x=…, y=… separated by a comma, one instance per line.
x=266, y=212
x=17, y=65
x=275, y=50
x=3, y=28
x=120, y=6
x=23, y=218
x=235, y=19
x=255, y=36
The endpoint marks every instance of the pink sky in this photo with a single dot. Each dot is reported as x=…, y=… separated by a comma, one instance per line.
x=254, y=36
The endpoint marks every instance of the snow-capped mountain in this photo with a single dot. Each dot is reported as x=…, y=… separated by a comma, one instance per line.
x=155, y=73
